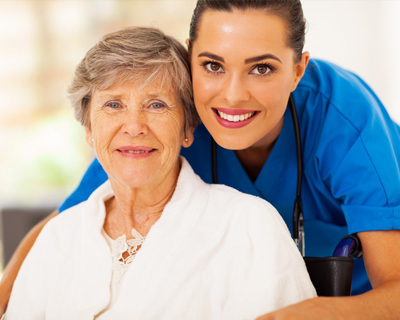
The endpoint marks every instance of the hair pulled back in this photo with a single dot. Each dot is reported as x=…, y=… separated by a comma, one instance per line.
x=289, y=10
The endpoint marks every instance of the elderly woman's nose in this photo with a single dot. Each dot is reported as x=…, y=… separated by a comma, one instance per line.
x=135, y=123
x=234, y=90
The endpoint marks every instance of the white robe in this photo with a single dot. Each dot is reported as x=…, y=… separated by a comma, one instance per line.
x=215, y=253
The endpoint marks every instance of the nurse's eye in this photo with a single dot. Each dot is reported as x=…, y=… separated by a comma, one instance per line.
x=262, y=69
x=212, y=67
x=113, y=105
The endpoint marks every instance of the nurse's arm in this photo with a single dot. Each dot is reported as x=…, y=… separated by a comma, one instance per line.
x=13, y=266
x=381, y=251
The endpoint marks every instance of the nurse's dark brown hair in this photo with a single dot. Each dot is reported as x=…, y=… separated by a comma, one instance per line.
x=289, y=10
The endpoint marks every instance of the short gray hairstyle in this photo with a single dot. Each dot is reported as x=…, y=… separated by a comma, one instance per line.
x=135, y=53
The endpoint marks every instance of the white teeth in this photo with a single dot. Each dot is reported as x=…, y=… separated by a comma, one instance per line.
x=235, y=118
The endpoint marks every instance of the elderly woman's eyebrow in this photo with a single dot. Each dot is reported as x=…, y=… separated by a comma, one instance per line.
x=110, y=93
x=105, y=95
x=158, y=95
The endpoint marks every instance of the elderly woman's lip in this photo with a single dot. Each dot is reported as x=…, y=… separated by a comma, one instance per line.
x=135, y=152
x=135, y=148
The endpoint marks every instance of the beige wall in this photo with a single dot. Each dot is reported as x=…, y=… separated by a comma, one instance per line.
x=42, y=150
x=362, y=36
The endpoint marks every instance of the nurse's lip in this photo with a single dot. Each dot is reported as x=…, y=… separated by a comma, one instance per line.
x=135, y=151
x=234, y=111
x=234, y=118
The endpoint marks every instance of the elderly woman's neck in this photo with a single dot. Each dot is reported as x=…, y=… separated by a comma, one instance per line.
x=136, y=208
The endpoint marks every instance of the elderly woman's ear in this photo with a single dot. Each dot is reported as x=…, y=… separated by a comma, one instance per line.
x=188, y=49
x=89, y=137
x=188, y=138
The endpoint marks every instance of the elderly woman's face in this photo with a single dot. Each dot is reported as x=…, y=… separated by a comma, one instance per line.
x=137, y=133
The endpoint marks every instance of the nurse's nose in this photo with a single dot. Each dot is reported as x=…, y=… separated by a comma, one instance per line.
x=135, y=123
x=235, y=91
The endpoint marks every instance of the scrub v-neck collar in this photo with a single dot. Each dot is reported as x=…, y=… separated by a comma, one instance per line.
x=273, y=167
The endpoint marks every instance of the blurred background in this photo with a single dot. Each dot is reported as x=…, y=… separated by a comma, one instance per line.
x=43, y=153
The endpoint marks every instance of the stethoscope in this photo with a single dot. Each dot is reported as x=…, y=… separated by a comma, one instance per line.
x=298, y=219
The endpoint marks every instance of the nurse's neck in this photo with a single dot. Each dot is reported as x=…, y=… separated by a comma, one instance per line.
x=253, y=158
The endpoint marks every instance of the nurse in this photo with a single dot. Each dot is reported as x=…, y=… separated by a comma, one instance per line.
x=247, y=58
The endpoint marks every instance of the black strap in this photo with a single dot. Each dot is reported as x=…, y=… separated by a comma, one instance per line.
x=298, y=219
x=214, y=161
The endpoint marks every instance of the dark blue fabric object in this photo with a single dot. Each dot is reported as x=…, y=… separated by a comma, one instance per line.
x=93, y=178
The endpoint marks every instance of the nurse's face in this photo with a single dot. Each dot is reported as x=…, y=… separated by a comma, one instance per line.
x=243, y=74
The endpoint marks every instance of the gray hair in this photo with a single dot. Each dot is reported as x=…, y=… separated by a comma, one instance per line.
x=134, y=53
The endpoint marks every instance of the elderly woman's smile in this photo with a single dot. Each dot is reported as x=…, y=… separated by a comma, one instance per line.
x=137, y=132
x=135, y=152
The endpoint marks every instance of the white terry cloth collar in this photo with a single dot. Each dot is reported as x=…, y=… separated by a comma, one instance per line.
x=188, y=186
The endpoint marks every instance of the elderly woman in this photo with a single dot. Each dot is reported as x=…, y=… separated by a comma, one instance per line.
x=154, y=241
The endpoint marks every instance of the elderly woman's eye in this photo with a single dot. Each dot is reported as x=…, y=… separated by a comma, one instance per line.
x=113, y=104
x=157, y=106
x=213, y=67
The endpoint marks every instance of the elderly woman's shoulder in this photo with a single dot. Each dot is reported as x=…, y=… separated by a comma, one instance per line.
x=234, y=194
x=224, y=202
x=255, y=219
x=90, y=210
x=65, y=223
x=242, y=206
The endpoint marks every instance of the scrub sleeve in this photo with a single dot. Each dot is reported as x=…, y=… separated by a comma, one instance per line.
x=93, y=178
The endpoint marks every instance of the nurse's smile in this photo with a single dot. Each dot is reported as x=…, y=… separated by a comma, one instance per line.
x=234, y=118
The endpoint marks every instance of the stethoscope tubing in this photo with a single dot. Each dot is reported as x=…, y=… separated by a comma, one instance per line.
x=298, y=219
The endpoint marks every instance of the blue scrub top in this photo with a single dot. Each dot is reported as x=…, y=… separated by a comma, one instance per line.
x=351, y=155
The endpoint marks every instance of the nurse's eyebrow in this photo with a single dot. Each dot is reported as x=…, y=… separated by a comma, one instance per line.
x=262, y=57
x=211, y=56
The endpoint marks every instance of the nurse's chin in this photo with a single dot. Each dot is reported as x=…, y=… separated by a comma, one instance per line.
x=233, y=142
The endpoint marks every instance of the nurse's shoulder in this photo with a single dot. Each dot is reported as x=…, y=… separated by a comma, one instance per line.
x=327, y=85
x=337, y=84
